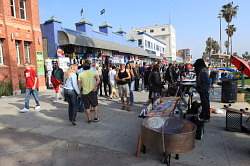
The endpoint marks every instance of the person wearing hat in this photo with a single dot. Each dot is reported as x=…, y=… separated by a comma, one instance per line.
x=202, y=87
x=88, y=82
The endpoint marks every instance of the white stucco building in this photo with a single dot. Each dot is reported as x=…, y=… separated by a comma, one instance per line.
x=164, y=33
x=151, y=44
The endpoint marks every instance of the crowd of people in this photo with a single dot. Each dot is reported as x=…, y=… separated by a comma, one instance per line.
x=85, y=82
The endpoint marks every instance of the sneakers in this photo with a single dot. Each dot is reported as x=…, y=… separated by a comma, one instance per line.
x=96, y=120
x=37, y=108
x=24, y=110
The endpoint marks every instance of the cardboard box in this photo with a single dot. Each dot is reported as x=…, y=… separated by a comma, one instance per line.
x=240, y=97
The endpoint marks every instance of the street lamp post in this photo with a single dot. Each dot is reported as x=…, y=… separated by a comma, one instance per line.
x=220, y=16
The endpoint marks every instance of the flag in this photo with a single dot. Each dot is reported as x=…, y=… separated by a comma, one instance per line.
x=82, y=12
x=102, y=11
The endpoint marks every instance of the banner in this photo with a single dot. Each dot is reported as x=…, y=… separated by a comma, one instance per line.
x=40, y=63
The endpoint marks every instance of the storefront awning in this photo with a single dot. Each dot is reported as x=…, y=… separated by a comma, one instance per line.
x=70, y=37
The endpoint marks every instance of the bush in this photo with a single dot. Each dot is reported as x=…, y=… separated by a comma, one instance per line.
x=22, y=86
x=6, y=88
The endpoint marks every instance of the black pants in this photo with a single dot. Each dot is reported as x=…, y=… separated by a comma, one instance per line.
x=137, y=80
x=205, y=103
x=71, y=98
x=105, y=88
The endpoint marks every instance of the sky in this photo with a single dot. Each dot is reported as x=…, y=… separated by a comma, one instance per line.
x=194, y=20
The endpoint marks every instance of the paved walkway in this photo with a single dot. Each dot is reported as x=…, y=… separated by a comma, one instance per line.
x=47, y=138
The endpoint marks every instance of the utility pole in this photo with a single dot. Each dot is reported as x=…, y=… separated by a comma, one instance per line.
x=220, y=16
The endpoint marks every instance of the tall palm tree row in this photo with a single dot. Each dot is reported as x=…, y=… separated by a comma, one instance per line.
x=230, y=31
x=229, y=11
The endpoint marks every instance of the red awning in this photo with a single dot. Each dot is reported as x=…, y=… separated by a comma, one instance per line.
x=241, y=65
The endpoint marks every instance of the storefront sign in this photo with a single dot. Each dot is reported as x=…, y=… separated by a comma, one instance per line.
x=64, y=63
x=106, y=53
x=118, y=59
x=40, y=63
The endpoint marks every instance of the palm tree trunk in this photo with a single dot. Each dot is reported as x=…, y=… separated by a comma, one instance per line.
x=228, y=41
x=228, y=46
x=231, y=42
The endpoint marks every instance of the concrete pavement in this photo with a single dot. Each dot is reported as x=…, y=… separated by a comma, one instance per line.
x=47, y=138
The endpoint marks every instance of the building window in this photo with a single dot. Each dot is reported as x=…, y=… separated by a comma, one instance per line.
x=1, y=52
x=18, y=52
x=148, y=44
x=13, y=8
x=140, y=43
x=157, y=47
x=27, y=52
x=163, y=50
x=23, y=9
x=162, y=29
x=151, y=31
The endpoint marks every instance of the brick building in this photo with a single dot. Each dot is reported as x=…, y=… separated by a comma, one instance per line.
x=20, y=41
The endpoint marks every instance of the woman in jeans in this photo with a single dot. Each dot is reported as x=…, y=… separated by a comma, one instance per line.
x=131, y=83
x=71, y=92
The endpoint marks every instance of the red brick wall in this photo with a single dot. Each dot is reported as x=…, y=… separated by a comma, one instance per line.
x=12, y=29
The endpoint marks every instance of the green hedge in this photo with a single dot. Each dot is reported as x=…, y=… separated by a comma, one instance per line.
x=6, y=88
x=22, y=86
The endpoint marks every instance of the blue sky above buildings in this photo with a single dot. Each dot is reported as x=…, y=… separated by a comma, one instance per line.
x=194, y=20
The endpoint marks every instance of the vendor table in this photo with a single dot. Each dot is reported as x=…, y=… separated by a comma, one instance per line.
x=185, y=87
x=165, y=108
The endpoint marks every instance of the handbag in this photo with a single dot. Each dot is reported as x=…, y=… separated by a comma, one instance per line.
x=55, y=82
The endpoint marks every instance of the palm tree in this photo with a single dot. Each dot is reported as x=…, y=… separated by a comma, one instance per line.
x=228, y=12
x=212, y=46
x=230, y=31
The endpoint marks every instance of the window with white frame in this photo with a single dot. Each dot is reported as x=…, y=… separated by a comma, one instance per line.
x=27, y=51
x=1, y=52
x=23, y=14
x=18, y=59
x=13, y=8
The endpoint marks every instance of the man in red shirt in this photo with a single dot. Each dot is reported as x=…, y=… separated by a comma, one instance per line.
x=31, y=88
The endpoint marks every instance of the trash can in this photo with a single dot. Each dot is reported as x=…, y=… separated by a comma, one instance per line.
x=229, y=91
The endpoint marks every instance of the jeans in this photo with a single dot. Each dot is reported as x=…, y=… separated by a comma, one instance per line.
x=34, y=93
x=142, y=83
x=131, y=92
x=71, y=98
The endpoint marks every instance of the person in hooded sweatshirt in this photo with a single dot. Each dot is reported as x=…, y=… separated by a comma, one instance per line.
x=202, y=86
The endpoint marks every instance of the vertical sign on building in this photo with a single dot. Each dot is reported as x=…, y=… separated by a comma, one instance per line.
x=40, y=63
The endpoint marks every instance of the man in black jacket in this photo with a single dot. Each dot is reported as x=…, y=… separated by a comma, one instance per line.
x=202, y=86
x=105, y=77
x=155, y=85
